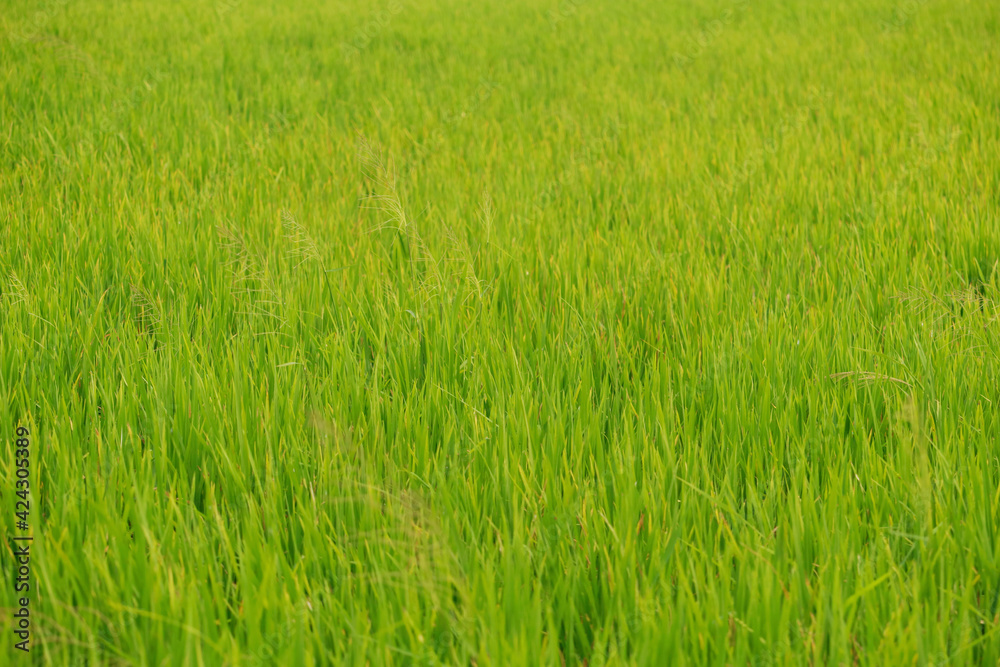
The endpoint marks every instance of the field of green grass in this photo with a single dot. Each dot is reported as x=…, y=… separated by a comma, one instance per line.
x=540, y=332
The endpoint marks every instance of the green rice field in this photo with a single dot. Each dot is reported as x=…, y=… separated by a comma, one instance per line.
x=537, y=332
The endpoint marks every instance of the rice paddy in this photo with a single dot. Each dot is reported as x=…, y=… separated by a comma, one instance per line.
x=544, y=332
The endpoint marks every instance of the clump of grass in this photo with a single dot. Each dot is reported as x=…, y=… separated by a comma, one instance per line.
x=150, y=317
x=15, y=291
x=304, y=248
x=252, y=285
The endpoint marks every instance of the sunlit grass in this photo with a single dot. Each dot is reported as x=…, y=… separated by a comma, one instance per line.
x=503, y=333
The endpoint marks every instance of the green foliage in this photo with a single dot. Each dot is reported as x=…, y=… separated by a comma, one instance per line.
x=536, y=332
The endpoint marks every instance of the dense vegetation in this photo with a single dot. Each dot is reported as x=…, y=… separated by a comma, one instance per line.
x=537, y=332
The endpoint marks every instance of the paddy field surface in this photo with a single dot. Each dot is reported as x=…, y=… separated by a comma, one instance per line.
x=562, y=332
